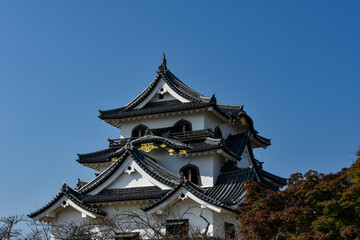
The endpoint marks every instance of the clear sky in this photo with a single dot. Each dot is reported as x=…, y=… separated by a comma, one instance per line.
x=295, y=65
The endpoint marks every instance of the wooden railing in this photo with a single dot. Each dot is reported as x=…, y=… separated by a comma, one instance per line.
x=181, y=136
x=192, y=135
x=119, y=142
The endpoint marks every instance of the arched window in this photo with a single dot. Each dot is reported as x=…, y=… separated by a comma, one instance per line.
x=139, y=131
x=217, y=132
x=182, y=126
x=191, y=173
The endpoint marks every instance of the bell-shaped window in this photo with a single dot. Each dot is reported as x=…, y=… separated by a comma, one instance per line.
x=191, y=173
x=217, y=132
x=139, y=131
x=182, y=126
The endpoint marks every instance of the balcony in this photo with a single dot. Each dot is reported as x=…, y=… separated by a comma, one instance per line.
x=119, y=142
x=192, y=135
x=181, y=136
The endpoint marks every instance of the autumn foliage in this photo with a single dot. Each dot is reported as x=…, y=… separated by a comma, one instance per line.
x=313, y=206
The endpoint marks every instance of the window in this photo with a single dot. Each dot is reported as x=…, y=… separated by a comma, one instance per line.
x=139, y=131
x=229, y=231
x=182, y=126
x=127, y=236
x=176, y=229
x=191, y=173
x=217, y=132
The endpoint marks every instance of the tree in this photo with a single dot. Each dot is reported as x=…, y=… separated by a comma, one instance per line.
x=313, y=206
x=8, y=227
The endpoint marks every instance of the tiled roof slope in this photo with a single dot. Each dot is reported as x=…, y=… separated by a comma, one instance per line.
x=125, y=194
x=74, y=197
x=233, y=145
x=226, y=192
x=148, y=164
x=194, y=189
x=173, y=82
x=96, y=157
x=228, y=188
x=120, y=113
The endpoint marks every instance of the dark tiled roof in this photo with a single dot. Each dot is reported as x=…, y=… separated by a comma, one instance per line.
x=74, y=197
x=278, y=180
x=96, y=157
x=80, y=184
x=120, y=113
x=228, y=188
x=124, y=194
x=144, y=94
x=194, y=189
x=148, y=164
x=162, y=103
x=156, y=171
x=179, y=87
x=48, y=205
x=103, y=176
x=237, y=143
x=234, y=146
x=173, y=82
x=234, y=110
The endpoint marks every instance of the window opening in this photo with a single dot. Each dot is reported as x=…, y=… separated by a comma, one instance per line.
x=182, y=126
x=139, y=131
x=127, y=236
x=191, y=173
x=177, y=229
x=217, y=132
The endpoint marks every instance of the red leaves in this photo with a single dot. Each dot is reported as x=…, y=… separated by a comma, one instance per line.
x=313, y=206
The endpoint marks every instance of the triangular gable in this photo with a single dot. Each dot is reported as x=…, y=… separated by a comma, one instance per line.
x=160, y=93
x=167, y=85
x=184, y=190
x=130, y=179
x=129, y=174
x=66, y=198
x=132, y=160
x=179, y=194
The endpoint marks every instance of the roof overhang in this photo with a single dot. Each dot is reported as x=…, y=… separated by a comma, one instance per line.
x=52, y=212
x=179, y=195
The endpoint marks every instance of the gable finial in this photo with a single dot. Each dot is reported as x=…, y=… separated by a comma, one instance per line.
x=163, y=62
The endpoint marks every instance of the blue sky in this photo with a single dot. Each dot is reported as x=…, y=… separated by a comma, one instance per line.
x=293, y=64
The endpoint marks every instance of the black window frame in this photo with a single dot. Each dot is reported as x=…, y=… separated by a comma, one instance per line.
x=177, y=228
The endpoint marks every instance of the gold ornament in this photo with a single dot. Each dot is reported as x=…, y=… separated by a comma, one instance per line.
x=183, y=151
x=147, y=147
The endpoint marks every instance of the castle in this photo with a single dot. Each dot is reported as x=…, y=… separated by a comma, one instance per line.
x=181, y=158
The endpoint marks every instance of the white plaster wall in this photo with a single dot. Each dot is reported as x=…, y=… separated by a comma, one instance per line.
x=218, y=163
x=186, y=209
x=206, y=162
x=189, y=209
x=211, y=121
x=245, y=159
x=219, y=220
x=132, y=180
x=67, y=215
x=166, y=120
x=156, y=90
x=167, y=97
x=115, y=212
x=183, y=209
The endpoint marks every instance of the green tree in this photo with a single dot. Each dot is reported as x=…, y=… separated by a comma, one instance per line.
x=313, y=206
